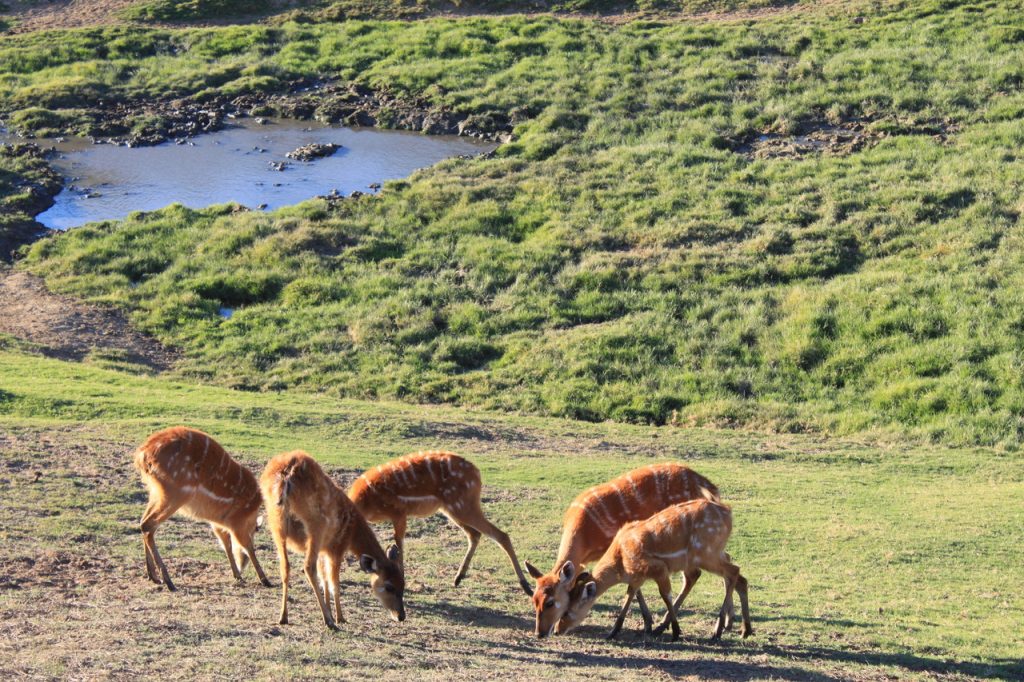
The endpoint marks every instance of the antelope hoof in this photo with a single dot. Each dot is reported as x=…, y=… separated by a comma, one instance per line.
x=283, y=621
x=746, y=631
x=660, y=629
x=458, y=579
x=170, y=586
x=266, y=583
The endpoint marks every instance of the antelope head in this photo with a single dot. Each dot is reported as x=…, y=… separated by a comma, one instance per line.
x=551, y=596
x=387, y=581
x=581, y=600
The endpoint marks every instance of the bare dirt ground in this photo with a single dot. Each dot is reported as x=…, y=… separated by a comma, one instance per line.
x=45, y=15
x=42, y=15
x=68, y=329
x=75, y=604
x=33, y=15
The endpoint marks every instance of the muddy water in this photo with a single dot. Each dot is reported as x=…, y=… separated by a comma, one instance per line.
x=236, y=164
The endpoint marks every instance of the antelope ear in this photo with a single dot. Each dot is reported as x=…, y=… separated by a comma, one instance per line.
x=394, y=554
x=367, y=563
x=589, y=591
x=568, y=573
x=583, y=578
x=532, y=570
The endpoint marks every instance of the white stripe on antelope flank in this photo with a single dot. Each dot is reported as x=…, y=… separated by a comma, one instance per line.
x=622, y=498
x=632, y=484
x=413, y=499
x=598, y=521
x=214, y=496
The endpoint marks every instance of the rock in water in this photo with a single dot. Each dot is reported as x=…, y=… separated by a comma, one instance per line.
x=313, y=151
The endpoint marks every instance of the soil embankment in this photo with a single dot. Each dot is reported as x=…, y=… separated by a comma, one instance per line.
x=67, y=329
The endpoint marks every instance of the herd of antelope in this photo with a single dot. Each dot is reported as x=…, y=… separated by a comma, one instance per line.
x=648, y=524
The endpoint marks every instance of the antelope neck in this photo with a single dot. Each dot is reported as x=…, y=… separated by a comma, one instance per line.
x=606, y=574
x=363, y=539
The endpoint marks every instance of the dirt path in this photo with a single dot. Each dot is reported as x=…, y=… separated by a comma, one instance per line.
x=68, y=329
x=39, y=15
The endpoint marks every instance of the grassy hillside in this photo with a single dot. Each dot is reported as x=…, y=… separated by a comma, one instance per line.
x=655, y=245
x=194, y=10
x=319, y=10
x=864, y=563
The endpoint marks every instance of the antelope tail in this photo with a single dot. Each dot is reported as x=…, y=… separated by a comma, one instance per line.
x=284, y=488
x=284, y=485
x=139, y=459
x=710, y=494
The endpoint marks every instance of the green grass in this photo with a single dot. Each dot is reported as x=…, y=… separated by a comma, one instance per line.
x=864, y=562
x=325, y=10
x=194, y=10
x=618, y=260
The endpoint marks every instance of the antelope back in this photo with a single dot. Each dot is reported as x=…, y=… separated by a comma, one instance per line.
x=598, y=513
x=417, y=484
x=681, y=536
x=187, y=464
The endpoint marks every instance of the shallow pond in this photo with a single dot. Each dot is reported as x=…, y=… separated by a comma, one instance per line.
x=235, y=164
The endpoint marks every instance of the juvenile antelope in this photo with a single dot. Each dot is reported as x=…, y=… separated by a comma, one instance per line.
x=309, y=513
x=425, y=482
x=590, y=524
x=186, y=470
x=685, y=538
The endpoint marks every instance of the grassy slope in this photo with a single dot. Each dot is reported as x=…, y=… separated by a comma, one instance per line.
x=617, y=260
x=193, y=10
x=863, y=562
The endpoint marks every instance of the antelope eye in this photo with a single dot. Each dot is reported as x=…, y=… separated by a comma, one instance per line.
x=549, y=603
x=389, y=588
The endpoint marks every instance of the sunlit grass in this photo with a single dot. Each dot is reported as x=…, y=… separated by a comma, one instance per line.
x=619, y=259
x=862, y=561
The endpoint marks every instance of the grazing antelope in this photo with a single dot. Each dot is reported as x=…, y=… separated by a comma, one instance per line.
x=683, y=538
x=186, y=470
x=425, y=482
x=309, y=513
x=590, y=524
